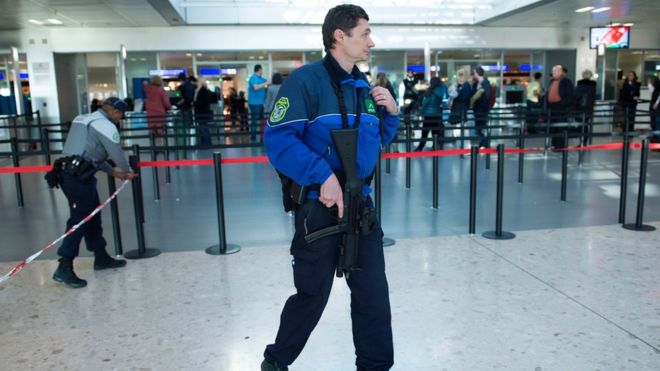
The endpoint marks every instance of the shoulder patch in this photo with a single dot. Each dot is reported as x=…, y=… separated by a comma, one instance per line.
x=279, y=110
x=371, y=107
x=107, y=129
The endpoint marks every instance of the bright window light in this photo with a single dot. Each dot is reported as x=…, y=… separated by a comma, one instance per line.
x=54, y=21
x=34, y=21
x=600, y=10
x=628, y=24
x=585, y=9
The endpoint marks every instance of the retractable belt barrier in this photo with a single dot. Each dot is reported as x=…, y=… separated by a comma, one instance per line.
x=263, y=159
x=27, y=261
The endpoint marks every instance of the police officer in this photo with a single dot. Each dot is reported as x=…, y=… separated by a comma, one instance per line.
x=314, y=100
x=92, y=139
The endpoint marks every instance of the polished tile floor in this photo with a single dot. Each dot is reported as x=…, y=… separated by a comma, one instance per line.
x=551, y=299
x=573, y=291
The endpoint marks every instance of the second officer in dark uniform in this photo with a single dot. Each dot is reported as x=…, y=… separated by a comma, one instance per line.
x=315, y=99
x=93, y=139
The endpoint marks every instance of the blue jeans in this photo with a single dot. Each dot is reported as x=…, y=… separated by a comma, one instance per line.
x=256, y=114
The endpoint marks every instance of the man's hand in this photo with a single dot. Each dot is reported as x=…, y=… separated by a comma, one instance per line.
x=124, y=175
x=382, y=97
x=331, y=194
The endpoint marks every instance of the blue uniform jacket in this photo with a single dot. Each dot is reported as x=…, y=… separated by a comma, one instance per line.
x=297, y=137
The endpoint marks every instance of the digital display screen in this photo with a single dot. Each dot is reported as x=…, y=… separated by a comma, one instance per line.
x=611, y=37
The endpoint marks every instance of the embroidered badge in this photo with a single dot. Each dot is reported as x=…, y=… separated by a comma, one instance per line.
x=371, y=107
x=115, y=137
x=281, y=106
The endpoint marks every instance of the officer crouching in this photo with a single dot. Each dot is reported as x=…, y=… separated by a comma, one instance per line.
x=90, y=145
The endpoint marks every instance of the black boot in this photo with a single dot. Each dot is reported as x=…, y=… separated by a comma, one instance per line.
x=271, y=366
x=65, y=274
x=103, y=261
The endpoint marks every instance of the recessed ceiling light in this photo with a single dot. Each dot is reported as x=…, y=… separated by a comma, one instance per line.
x=599, y=10
x=188, y=55
x=615, y=24
x=199, y=54
x=585, y=9
x=54, y=21
x=628, y=24
x=34, y=21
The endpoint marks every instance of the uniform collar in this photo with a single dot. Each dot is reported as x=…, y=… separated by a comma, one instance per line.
x=102, y=112
x=339, y=74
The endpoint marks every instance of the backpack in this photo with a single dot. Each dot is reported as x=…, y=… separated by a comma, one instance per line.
x=492, y=98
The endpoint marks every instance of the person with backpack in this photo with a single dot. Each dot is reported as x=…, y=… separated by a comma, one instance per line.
x=585, y=97
x=481, y=100
x=431, y=109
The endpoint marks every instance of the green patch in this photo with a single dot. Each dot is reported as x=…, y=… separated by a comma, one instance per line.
x=371, y=107
x=279, y=111
x=115, y=137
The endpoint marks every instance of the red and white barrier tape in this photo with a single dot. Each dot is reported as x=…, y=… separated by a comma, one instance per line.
x=27, y=261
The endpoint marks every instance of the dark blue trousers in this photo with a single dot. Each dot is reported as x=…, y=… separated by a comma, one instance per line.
x=83, y=199
x=313, y=273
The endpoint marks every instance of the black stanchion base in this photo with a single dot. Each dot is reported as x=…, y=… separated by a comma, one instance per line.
x=148, y=253
x=215, y=249
x=388, y=242
x=491, y=235
x=643, y=228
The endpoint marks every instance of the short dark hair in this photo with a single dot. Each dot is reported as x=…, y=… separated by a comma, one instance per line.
x=344, y=17
x=257, y=67
x=479, y=70
x=277, y=78
x=538, y=75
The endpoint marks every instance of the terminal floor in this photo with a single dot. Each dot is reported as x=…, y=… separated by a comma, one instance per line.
x=552, y=299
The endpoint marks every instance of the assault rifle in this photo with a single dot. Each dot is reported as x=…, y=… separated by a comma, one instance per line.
x=356, y=219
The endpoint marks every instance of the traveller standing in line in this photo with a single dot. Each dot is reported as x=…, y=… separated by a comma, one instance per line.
x=257, y=86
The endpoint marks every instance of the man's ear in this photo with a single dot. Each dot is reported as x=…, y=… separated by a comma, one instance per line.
x=339, y=35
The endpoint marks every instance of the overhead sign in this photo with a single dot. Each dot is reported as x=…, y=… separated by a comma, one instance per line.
x=167, y=73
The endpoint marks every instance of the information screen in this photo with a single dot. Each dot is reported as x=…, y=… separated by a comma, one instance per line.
x=610, y=37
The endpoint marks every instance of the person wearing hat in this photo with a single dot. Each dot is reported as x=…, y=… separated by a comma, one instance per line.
x=92, y=140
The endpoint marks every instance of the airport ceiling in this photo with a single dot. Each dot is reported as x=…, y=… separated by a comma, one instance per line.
x=26, y=14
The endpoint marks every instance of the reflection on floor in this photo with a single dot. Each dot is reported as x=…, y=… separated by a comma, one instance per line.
x=553, y=299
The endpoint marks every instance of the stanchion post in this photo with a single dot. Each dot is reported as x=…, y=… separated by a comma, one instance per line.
x=17, y=176
x=638, y=226
x=474, y=152
x=521, y=155
x=498, y=234
x=388, y=160
x=408, y=150
x=487, y=144
x=623, y=195
x=222, y=248
x=547, y=129
x=142, y=252
x=436, y=171
x=582, y=138
x=462, y=132
x=114, y=213
x=154, y=169
x=137, y=182
x=168, y=172
x=564, y=167
x=378, y=199
x=45, y=145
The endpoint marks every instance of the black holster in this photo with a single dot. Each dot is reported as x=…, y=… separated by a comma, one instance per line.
x=54, y=177
x=78, y=167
